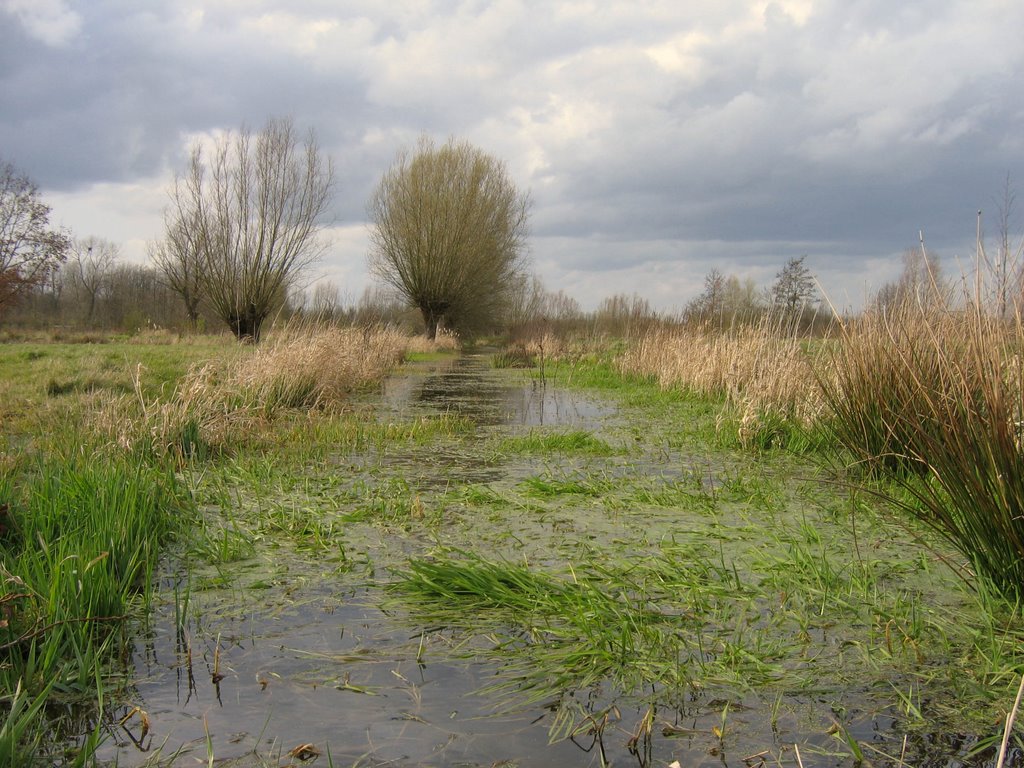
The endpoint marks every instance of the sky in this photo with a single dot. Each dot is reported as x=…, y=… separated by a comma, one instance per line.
x=658, y=139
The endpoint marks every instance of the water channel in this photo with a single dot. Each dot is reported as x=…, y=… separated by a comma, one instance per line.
x=291, y=649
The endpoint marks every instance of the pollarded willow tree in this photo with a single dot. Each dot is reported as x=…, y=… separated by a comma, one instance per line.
x=248, y=217
x=449, y=234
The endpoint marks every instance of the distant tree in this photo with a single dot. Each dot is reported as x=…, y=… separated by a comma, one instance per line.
x=625, y=315
x=251, y=211
x=561, y=307
x=794, y=289
x=137, y=297
x=29, y=248
x=382, y=304
x=178, y=259
x=1005, y=268
x=742, y=300
x=709, y=303
x=526, y=300
x=93, y=260
x=325, y=301
x=725, y=301
x=449, y=234
x=920, y=282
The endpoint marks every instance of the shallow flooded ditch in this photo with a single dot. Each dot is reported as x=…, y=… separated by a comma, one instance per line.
x=476, y=568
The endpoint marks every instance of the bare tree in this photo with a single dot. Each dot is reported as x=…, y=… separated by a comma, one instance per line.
x=625, y=315
x=449, y=234
x=561, y=307
x=920, y=282
x=177, y=258
x=251, y=213
x=526, y=300
x=325, y=301
x=382, y=304
x=794, y=290
x=1006, y=267
x=29, y=249
x=93, y=261
x=709, y=306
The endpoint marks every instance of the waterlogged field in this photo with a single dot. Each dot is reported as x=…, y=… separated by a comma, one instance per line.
x=477, y=567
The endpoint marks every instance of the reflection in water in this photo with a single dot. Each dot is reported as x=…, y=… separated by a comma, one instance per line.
x=468, y=387
x=305, y=657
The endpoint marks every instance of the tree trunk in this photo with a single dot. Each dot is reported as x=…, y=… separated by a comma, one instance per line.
x=247, y=325
x=430, y=321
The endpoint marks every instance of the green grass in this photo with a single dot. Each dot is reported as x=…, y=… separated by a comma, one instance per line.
x=354, y=432
x=543, y=442
x=513, y=358
x=28, y=369
x=80, y=543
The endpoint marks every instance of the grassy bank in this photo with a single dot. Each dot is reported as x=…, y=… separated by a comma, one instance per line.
x=90, y=495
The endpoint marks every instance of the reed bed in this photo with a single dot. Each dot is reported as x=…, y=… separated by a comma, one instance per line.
x=923, y=397
x=930, y=400
x=762, y=370
x=223, y=402
x=445, y=341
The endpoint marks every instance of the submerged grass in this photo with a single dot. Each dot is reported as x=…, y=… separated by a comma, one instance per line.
x=680, y=624
x=542, y=442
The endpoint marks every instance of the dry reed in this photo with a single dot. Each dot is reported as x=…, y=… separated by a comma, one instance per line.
x=763, y=371
x=221, y=402
x=445, y=341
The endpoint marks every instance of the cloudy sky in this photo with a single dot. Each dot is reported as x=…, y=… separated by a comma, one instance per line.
x=658, y=138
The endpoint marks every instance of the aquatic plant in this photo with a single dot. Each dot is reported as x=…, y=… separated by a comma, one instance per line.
x=545, y=442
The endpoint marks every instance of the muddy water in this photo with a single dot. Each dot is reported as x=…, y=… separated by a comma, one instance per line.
x=291, y=649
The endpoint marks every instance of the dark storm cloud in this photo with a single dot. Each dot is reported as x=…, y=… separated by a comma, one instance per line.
x=658, y=139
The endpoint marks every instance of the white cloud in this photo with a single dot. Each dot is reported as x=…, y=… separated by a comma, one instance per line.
x=130, y=214
x=49, y=21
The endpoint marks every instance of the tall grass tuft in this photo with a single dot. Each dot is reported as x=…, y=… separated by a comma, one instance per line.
x=224, y=402
x=930, y=399
x=80, y=545
x=79, y=542
x=763, y=370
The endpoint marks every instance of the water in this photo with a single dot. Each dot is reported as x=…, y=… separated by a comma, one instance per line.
x=468, y=387
x=295, y=649
x=314, y=659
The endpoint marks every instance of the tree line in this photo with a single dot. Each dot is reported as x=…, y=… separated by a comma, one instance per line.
x=244, y=226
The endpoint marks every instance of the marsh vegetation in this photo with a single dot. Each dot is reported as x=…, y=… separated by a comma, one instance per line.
x=691, y=544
